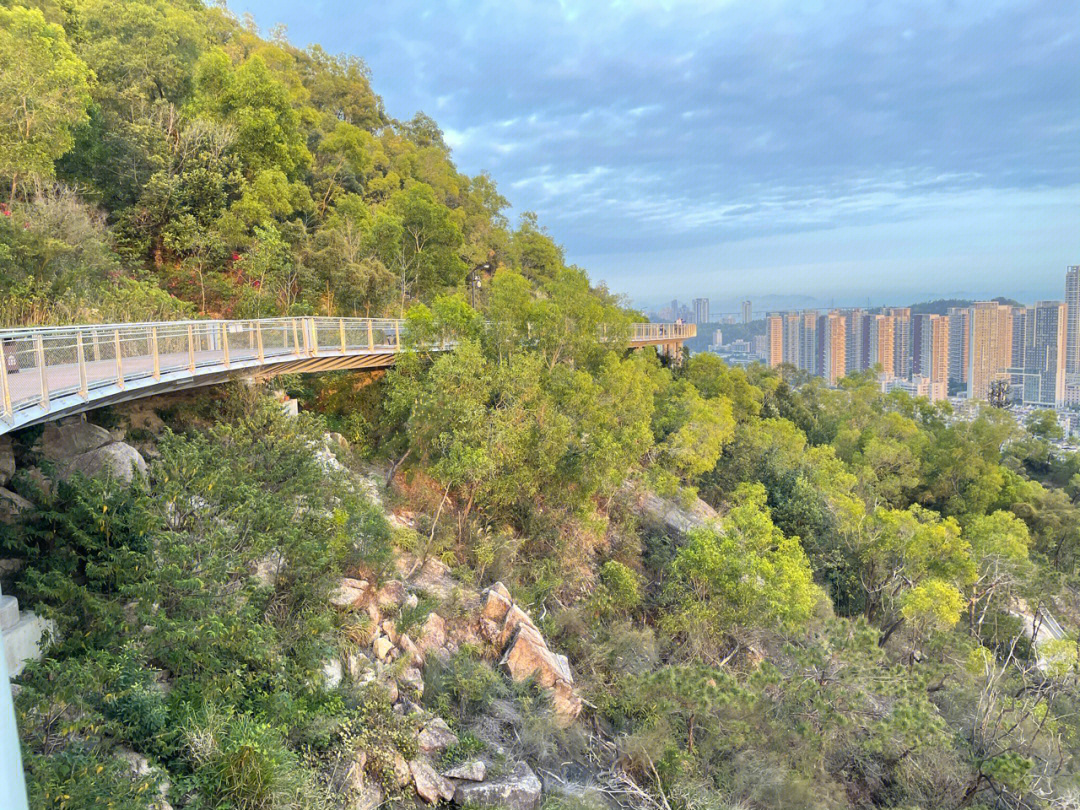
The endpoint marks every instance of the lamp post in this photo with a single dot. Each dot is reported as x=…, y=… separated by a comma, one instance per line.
x=474, y=282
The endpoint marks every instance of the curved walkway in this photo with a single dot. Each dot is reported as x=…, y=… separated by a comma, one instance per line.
x=51, y=372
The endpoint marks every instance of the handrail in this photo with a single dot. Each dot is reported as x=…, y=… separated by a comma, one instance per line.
x=43, y=364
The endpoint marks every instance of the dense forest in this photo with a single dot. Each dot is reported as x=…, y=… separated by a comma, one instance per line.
x=768, y=593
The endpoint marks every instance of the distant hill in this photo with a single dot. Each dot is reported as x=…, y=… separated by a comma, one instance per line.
x=940, y=306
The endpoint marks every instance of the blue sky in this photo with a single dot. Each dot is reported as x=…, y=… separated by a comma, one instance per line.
x=819, y=151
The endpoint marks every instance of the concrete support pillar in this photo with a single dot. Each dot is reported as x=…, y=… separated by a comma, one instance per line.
x=12, y=784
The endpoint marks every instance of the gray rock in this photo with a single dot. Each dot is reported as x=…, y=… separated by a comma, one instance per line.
x=118, y=460
x=517, y=790
x=63, y=440
x=429, y=785
x=11, y=504
x=472, y=771
x=675, y=517
x=332, y=673
x=7, y=460
x=436, y=736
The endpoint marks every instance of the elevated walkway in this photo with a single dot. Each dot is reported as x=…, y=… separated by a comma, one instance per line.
x=51, y=372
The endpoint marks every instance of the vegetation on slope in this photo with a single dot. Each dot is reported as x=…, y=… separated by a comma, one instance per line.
x=848, y=632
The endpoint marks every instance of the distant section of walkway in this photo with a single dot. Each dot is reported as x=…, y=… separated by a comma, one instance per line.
x=51, y=372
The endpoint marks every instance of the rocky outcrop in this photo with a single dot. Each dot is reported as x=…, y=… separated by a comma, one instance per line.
x=519, y=789
x=140, y=767
x=525, y=654
x=503, y=627
x=667, y=515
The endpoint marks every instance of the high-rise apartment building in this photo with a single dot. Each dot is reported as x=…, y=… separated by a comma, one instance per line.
x=1023, y=319
x=808, y=342
x=747, y=312
x=792, y=338
x=881, y=344
x=902, y=338
x=855, y=337
x=1072, y=335
x=959, y=343
x=774, y=331
x=1044, y=355
x=832, y=346
x=930, y=353
x=1072, y=320
x=990, y=347
x=701, y=310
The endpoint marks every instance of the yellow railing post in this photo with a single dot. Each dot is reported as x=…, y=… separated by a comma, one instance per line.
x=314, y=337
x=191, y=348
x=96, y=344
x=259, y=342
x=119, y=359
x=307, y=343
x=80, y=353
x=225, y=345
x=341, y=333
x=154, y=352
x=39, y=350
x=5, y=391
x=295, y=338
x=370, y=336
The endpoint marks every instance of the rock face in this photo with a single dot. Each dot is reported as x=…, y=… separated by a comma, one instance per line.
x=524, y=652
x=517, y=790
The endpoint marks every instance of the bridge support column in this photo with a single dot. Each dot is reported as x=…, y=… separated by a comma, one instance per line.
x=39, y=351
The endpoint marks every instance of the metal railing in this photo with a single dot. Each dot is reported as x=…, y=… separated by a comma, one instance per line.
x=43, y=364
x=659, y=332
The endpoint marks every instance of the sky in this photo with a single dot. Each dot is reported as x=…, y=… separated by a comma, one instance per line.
x=833, y=151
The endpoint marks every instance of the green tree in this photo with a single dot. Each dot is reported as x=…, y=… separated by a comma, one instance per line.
x=745, y=575
x=44, y=93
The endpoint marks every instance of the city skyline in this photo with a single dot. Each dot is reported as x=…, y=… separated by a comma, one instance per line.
x=1024, y=353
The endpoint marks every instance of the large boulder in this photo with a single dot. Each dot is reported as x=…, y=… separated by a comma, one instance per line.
x=117, y=460
x=517, y=790
x=63, y=440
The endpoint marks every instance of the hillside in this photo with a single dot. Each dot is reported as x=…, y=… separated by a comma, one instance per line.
x=538, y=570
